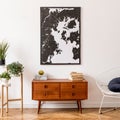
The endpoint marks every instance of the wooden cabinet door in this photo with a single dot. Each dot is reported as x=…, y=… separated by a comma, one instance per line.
x=45, y=91
x=73, y=90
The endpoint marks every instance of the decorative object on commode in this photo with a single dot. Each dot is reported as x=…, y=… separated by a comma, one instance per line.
x=3, y=51
x=5, y=77
x=41, y=75
x=75, y=76
x=15, y=68
x=40, y=72
x=60, y=35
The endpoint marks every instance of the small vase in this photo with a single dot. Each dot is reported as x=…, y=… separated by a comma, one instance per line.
x=2, y=62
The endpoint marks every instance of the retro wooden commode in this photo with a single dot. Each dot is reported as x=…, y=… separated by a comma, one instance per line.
x=59, y=90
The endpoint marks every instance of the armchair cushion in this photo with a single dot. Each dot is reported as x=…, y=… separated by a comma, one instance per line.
x=114, y=84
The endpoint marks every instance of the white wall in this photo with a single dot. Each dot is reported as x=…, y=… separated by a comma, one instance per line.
x=100, y=39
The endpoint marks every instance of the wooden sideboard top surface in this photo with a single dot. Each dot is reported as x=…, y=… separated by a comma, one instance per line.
x=59, y=80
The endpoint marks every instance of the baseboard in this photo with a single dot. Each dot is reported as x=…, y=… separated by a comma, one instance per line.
x=65, y=104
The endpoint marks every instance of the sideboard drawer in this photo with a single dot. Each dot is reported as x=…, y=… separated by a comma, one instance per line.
x=46, y=95
x=73, y=86
x=45, y=86
x=74, y=95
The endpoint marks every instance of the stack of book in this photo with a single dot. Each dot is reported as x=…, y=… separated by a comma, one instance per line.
x=75, y=76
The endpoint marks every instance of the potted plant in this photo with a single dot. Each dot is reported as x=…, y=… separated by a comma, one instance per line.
x=15, y=68
x=5, y=77
x=3, y=50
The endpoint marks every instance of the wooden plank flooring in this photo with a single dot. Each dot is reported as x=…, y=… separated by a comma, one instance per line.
x=60, y=114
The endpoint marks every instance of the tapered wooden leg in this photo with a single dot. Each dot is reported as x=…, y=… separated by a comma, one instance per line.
x=39, y=105
x=7, y=99
x=21, y=92
x=2, y=100
x=79, y=105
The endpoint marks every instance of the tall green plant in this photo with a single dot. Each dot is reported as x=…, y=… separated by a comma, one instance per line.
x=15, y=68
x=3, y=50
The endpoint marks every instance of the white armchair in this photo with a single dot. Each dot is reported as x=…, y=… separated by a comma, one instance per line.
x=102, y=81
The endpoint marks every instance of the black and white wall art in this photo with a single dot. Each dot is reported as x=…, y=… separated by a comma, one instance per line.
x=60, y=35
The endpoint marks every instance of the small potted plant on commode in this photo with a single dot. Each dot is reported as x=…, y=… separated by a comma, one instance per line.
x=15, y=68
x=3, y=51
x=5, y=77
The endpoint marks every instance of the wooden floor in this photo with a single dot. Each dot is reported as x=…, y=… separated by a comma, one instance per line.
x=60, y=114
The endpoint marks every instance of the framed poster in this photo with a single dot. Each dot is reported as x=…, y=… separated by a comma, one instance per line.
x=60, y=35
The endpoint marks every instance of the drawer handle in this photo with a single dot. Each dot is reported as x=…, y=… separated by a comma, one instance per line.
x=73, y=94
x=73, y=86
x=45, y=86
x=45, y=94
